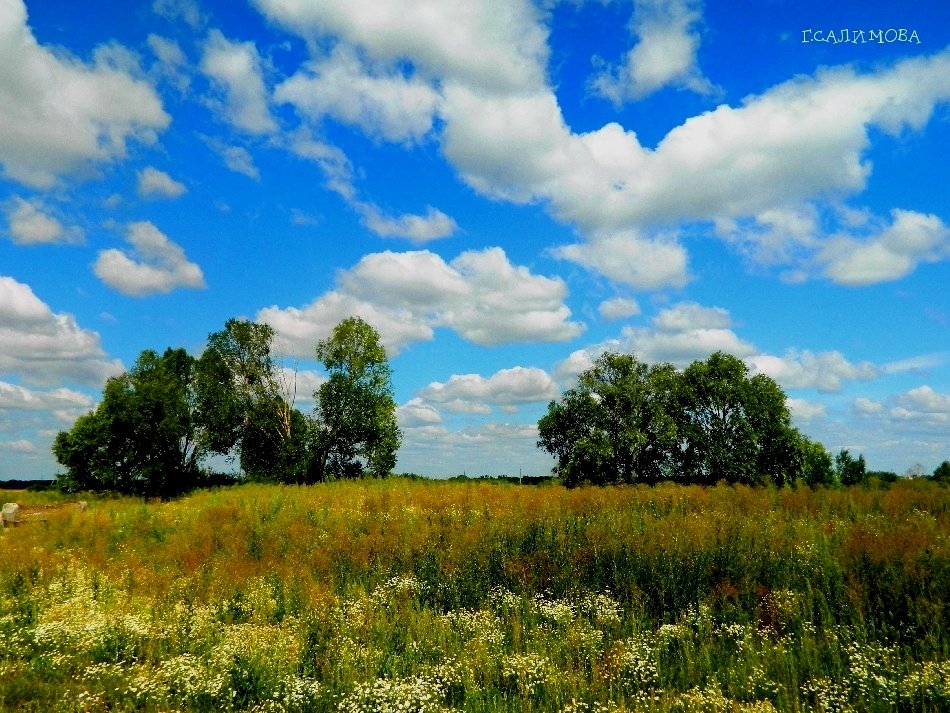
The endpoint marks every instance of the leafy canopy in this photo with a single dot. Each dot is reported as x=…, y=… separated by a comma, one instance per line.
x=355, y=411
x=144, y=437
x=628, y=422
x=162, y=420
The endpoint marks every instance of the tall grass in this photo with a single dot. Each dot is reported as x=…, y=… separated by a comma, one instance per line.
x=361, y=596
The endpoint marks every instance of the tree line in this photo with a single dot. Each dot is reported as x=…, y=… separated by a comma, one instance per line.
x=629, y=422
x=159, y=423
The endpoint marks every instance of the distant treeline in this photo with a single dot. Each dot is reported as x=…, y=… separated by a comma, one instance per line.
x=32, y=485
x=517, y=479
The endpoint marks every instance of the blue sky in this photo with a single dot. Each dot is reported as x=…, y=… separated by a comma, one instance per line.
x=503, y=189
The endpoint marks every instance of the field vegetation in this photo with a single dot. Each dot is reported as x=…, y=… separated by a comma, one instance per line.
x=410, y=595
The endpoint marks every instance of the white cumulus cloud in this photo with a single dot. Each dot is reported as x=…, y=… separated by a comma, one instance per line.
x=415, y=228
x=480, y=294
x=911, y=238
x=43, y=347
x=618, y=308
x=384, y=103
x=153, y=183
x=156, y=265
x=664, y=53
x=473, y=393
x=236, y=70
x=29, y=223
x=824, y=371
x=492, y=45
x=58, y=113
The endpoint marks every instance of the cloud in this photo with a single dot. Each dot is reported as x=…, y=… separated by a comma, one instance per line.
x=618, y=308
x=850, y=247
x=156, y=265
x=683, y=334
x=43, y=347
x=687, y=332
x=415, y=413
x=824, y=371
x=66, y=405
x=239, y=160
x=924, y=399
x=236, y=71
x=774, y=150
x=494, y=448
x=19, y=446
x=490, y=45
x=302, y=328
x=919, y=411
x=805, y=411
x=771, y=152
x=415, y=228
x=299, y=385
x=186, y=11
x=58, y=114
x=340, y=176
x=383, y=102
x=479, y=294
x=167, y=51
x=153, y=183
x=172, y=64
x=911, y=238
x=336, y=167
x=30, y=224
x=664, y=54
x=473, y=393
x=646, y=264
x=235, y=158
x=867, y=407
x=679, y=335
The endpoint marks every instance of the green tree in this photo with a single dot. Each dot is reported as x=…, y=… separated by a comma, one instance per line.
x=356, y=414
x=733, y=427
x=614, y=426
x=942, y=472
x=817, y=465
x=143, y=437
x=246, y=407
x=848, y=469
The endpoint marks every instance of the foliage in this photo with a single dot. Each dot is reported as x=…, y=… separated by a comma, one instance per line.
x=430, y=596
x=247, y=407
x=144, y=436
x=614, y=427
x=160, y=421
x=848, y=469
x=626, y=422
x=356, y=412
x=942, y=472
x=817, y=466
x=732, y=427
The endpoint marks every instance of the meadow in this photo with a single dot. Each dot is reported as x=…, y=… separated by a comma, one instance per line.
x=405, y=595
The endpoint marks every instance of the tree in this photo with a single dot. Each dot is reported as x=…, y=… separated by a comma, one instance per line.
x=356, y=414
x=848, y=469
x=817, y=466
x=613, y=427
x=942, y=472
x=143, y=436
x=247, y=408
x=732, y=427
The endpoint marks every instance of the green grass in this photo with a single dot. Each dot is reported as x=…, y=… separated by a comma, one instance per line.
x=427, y=596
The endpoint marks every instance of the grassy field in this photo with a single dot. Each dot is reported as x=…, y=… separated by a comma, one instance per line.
x=401, y=595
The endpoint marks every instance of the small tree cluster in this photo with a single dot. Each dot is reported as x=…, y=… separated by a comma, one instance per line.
x=158, y=423
x=941, y=473
x=627, y=422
